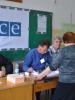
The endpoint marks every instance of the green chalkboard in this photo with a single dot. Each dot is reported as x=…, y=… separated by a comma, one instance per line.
x=14, y=54
x=35, y=37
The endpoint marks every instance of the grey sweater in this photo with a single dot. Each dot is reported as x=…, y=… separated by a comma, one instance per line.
x=66, y=61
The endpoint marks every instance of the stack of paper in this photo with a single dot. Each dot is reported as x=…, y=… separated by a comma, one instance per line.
x=35, y=74
x=15, y=78
x=51, y=74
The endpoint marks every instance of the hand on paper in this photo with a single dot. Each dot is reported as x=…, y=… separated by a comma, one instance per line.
x=30, y=70
x=39, y=77
x=2, y=74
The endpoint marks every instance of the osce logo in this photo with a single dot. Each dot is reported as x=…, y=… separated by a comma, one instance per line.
x=10, y=28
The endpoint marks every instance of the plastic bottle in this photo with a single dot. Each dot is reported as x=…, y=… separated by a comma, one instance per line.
x=16, y=68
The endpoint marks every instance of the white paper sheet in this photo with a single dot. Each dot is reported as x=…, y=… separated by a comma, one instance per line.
x=52, y=74
x=35, y=73
x=42, y=22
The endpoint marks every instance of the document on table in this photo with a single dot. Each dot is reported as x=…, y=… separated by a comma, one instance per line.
x=34, y=73
x=51, y=74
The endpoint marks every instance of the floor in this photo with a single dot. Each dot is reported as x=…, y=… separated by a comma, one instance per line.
x=45, y=95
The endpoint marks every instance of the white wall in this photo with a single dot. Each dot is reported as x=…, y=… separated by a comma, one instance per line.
x=61, y=9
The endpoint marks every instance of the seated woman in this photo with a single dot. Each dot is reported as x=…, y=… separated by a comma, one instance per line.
x=65, y=89
x=6, y=63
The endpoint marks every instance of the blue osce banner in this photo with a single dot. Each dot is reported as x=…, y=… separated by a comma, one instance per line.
x=10, y=28
x=14, y=27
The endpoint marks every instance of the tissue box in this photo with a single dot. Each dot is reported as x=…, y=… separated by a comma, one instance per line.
x=15, y=78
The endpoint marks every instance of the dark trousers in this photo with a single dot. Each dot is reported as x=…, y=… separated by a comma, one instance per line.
x=38, y=95
x=52, y=93
x=64, y=91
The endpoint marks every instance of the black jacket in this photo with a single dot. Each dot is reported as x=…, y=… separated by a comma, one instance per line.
x=7, y=64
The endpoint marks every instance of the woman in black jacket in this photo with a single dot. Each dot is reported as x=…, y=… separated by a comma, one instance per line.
x=7, y=64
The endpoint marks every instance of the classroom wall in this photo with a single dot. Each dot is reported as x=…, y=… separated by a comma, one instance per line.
x=63, y=12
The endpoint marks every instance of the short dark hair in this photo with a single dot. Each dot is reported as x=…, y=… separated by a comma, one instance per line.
x=44, y=42
x=69, y=37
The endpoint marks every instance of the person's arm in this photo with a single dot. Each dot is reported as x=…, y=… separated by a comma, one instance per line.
x=50, y=68
x=43, y=74
x=47, y=70
x=27, y=62
x=1, y=74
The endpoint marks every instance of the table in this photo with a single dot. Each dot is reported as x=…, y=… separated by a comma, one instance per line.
x=26, y=90
x=45, y=85
x=10, y=91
